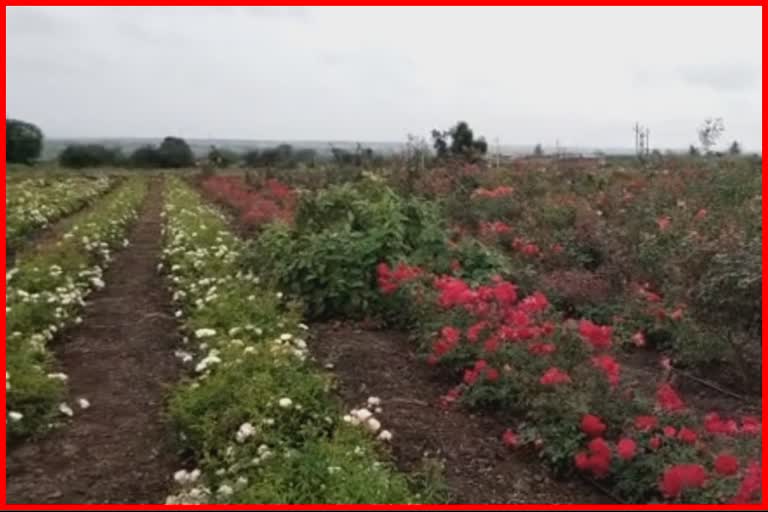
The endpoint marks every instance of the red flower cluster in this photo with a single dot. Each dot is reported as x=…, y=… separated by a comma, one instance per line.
x=609, y=366
x=497, y=192
x=481, y=369
x=598, y=336
x=646, y=423
x=554, y=376
x=726, y=464
x=626, y=448
x=681, y=477
x=592, y=425
x=273, y=201
x=713, y=424
x=597, y=459
x=751, y=485
x=390, y=280
x=494, y=228
x=668, y=399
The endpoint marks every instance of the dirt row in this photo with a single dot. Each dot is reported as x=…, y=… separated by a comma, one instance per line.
x=120, y=359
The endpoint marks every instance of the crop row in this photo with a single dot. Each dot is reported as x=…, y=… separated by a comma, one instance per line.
x=34, y=203
x=45, y=293
x=579, y=409
x=255, y=413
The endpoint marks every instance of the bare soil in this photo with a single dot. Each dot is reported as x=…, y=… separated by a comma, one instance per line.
x=120, y=358
x=477, y=467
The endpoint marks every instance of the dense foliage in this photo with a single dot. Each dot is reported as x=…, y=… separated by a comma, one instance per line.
x=23, y=141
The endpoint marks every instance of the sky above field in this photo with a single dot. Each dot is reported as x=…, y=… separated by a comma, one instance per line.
x=582, y=76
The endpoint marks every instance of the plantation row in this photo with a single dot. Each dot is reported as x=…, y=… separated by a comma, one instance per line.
x=257, y=416
x=45, y=293
x=559, y=374
x=32, y=204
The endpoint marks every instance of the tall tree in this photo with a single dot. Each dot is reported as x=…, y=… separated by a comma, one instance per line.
x=23, y=141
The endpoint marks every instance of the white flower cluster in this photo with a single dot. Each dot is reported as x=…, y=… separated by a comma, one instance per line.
x=34, y=203
x=365, y=418
x=58, y=291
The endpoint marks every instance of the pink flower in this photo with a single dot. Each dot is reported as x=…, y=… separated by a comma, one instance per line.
x=638, y=339
x=610, y=368
x=664, y=222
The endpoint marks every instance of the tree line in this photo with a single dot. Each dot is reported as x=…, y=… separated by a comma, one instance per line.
x=24, y=143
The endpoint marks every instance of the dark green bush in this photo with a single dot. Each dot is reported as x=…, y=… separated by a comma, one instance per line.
x=23, y=142
x=79, y=156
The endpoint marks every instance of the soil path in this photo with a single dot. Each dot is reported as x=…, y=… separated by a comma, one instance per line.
x=477, y=467
x=121, y=359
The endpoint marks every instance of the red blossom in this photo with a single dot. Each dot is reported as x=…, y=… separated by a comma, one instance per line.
x=726, y=464
x=646, y=423
x=554, y=376
x=750, y=425
x=681, y=477
x=592, y=425
x=750, y=488
x=687, y=435
x=670, y=431
x=668, y=399
x=598, y=336
x=610, y=368
x=655, y=443
x=492, y=375
x=510, y=439
x=542, y=349
x=627, y=449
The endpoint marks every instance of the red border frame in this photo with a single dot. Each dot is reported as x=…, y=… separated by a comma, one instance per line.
x=6, y=506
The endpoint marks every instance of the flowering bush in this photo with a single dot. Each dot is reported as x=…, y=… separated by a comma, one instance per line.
x=564, y=378
x=274, y=201
x=46, y=292
x=259, y=419
x=32, y=204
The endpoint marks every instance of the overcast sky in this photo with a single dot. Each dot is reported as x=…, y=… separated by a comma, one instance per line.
x=522, y=75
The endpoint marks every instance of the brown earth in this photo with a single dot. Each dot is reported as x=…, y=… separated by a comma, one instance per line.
x=477, y=467
x=121, y=359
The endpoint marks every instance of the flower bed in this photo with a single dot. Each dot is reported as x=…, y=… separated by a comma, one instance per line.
x=34, y=203
x=255, y=207
x=45, y=293
x=578, y=410
x=258, y=419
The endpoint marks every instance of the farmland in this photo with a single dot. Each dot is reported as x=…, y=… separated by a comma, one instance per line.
x=535, y=332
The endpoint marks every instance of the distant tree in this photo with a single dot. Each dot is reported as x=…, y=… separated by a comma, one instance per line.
x=735, y=149
x=463, y=143
x=305, y=156
x=222, y=157
x=538, y=150
x=710, y=132
x=175, y=152
x=145, y=157
x=693, y=151
x=23, y=141
x=252, y=158
x=79, y=156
